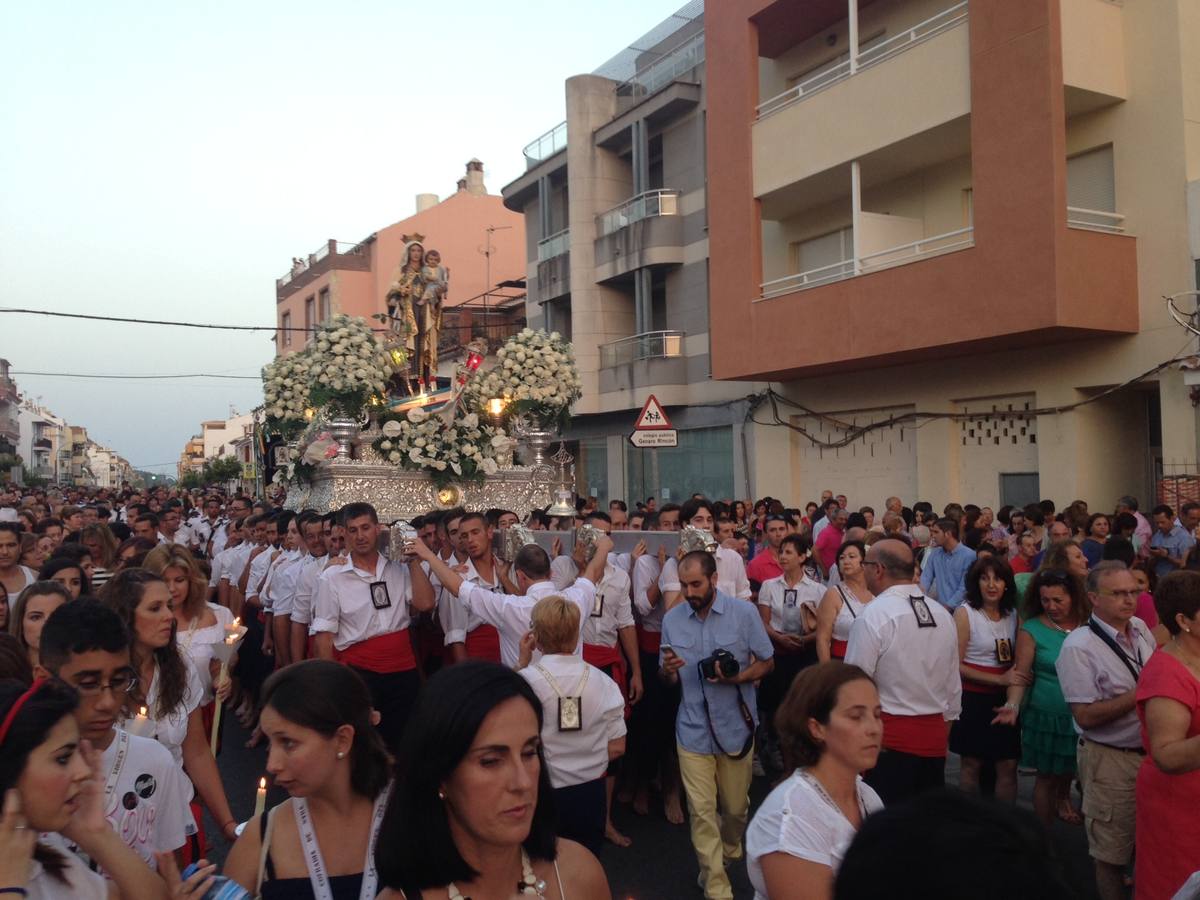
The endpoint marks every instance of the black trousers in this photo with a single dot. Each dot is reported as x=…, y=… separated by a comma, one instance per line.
x=652, y=723
x=898, y=776
x=392, y=695
x=581, y=813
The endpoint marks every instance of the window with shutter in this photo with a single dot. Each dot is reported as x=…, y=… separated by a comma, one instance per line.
x=1090, y=180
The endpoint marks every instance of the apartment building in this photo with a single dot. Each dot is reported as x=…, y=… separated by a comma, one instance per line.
x=479, y=241
x=10, y=401
x=43, y=444
x=944, y=232
x=617, y=261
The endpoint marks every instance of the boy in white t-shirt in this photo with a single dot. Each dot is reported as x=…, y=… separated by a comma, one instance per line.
x=146, y=794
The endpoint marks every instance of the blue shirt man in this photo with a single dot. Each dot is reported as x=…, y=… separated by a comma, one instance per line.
x=1170, y=543
x=717, y=716
x=947, y=565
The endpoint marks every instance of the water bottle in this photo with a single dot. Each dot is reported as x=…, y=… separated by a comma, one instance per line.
x=222, y=887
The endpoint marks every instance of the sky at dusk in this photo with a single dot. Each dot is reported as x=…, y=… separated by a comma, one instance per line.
x=167, y=162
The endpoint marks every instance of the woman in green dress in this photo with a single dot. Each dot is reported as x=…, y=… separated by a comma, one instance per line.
x=1054, y=606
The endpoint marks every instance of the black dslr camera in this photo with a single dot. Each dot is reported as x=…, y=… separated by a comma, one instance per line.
x=721, y=660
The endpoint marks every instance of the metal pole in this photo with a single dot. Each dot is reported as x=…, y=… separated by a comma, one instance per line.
x=855, y=213
x=853, y=16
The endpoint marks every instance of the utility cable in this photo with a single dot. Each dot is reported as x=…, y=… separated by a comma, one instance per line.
x=134, y=377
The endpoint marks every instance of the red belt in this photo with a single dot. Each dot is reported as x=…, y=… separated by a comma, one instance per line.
x=837, y=649
x=976, y=687
x=649, y=641
x=484, y=643
x=384, y=653
x=915, y=735
x=600, y=656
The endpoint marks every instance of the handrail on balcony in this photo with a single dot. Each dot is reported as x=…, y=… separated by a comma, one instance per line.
x=546, y=145
x=939, y=243
x=799, y=281
x=910, y=37
x=648, y=345
x=681, y=58
x=554, y=245
x=1095, y=220
x=643, y=206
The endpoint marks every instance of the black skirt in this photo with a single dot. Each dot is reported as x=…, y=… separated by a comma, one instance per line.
x=974, y=734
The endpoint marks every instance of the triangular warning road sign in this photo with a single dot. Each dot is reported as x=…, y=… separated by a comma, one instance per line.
x=652, y=417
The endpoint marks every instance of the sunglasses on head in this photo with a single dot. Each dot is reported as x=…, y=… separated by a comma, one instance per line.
x=1055, y=577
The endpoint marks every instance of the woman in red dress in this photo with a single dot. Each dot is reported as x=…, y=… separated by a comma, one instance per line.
x=1168, y=783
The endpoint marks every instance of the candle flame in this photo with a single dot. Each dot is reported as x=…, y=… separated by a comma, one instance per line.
x=142, y=712
x=262, y=784
x=237, y=621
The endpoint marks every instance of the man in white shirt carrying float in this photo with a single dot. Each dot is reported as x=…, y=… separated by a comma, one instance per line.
x=510, y=612
x=908, y=643
x=361, y=618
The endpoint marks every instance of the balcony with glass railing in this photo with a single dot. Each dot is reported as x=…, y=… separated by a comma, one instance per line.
x=1095, y=220
x=650, y=345
x=546, y=145
x=673, y=64
x=643, y=206
x=555, y=245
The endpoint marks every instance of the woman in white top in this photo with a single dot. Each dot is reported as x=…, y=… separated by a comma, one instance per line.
x=198, y=624
x=987, y=640
x=584, y=719
x=53, y=792
x=788, y=606
x=169, y=688
x=843, y=602
x=831, y=726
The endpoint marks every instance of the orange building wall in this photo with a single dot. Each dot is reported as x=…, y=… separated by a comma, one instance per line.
x=456, y=228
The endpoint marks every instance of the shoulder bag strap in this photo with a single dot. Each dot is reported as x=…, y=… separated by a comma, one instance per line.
x=1115, y=647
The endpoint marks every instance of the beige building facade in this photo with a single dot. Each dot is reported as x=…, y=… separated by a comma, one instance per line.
x=944, y=232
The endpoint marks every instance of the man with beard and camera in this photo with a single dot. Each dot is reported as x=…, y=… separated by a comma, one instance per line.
x=716, y=647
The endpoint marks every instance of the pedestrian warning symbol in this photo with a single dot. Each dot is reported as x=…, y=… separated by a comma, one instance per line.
x=652, y=417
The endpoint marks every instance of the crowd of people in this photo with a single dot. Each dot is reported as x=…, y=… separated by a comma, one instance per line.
x=451, y=723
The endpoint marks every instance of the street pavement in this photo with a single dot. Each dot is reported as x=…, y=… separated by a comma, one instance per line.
x=659, y=866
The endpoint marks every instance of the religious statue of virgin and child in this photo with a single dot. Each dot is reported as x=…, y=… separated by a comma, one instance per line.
x=414, y=303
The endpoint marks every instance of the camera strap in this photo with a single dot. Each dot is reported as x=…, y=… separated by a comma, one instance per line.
x=746, y=717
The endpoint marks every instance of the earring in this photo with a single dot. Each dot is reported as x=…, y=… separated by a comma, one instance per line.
x=341, y=754
x=441, y=795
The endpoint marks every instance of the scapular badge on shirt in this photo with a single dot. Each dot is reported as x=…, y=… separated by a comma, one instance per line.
x=380, y=598
x=598, y=606
x=570, y=713
x=789, y=597
x=921, y=611
x=1004, y=650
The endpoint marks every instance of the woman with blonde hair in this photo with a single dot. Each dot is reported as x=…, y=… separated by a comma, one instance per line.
x=584, y=716
x=199, y=624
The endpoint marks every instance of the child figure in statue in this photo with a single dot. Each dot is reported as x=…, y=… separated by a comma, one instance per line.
x=435, y=278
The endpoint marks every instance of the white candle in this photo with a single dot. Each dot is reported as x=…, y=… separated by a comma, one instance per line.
x=260, y=797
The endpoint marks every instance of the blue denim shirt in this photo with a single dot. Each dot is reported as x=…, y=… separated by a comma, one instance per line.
x=734, y=625
x=949, y=572
x=1177, y=544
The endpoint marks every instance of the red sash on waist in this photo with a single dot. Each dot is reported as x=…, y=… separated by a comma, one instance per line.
x=600, y=656
x=916, y=735
x=648, y=641
x=837, y=649
x=484, y=643
x=385, y=653
x=976, y=687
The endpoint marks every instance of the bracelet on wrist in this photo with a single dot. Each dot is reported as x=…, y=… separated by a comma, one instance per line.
x=19, y=891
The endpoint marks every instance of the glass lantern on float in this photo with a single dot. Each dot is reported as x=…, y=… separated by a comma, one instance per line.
x=564, y=496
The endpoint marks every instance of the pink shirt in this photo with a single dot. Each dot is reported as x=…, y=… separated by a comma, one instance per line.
x=827, y=546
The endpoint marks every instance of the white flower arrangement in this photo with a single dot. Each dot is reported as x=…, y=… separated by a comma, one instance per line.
x=346, y=366
x=534, y=374
x=285, y=392
x=464, y=450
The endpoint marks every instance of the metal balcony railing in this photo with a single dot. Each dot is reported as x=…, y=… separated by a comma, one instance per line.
x=651, y=345
x=643, y=206
x=675, y=62
x=546, y=145
x=876, y=53
x=555, y=245
x=1095, y=220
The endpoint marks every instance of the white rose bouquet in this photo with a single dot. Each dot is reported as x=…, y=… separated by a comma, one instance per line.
x=347, y=366
x=535, y=374
x=465, y=451
x=285, y=393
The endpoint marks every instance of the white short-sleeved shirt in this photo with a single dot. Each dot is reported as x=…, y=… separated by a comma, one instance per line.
x=343, y=603
x=731, y=574
x=281, y=583
x=914, y=665
x=612, y=609
x=456, y=620
x=148, y=807
x=1089, y=670
x=171, y=729
x=785, y=607
x=576, y=757
x=646, y=573
x=197, y=645
x=510, y=613
x=234, y=561
x=75, y=882
x=311, y=568
x=795, y=819
x=260, y=567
